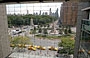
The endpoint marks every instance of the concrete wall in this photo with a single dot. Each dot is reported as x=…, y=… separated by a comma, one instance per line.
x=4, y=41
x=81, y=15
x=89, y=15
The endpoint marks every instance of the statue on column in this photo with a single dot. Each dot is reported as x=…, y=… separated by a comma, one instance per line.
x=31, y=23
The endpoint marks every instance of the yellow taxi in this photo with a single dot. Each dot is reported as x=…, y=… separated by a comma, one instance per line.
x=19, y=45
x=31, y=48
x=41, y=48
x=52, y=48
x=12, y=45
x=35, y=46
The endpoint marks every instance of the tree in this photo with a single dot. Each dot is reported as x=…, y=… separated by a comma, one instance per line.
x=17, y=20
x=40, y=30
x=48, y=25
x=34, y=30
x=44, y=26
x=38, y=26
x=66, y=31
x=60, y=31
x=45, y=31
x=69, y=30
x=60, y=26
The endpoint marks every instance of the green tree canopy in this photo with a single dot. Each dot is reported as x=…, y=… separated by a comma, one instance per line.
x=40, y=30
x=45, y=31
x=17, y=20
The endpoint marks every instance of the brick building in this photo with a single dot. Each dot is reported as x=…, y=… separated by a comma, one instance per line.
x=68, y=13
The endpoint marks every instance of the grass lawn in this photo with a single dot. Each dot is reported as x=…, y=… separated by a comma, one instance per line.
x=55, y=37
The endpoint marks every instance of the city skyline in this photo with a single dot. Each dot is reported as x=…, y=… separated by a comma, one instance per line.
x=33, y=8
x=55, y=14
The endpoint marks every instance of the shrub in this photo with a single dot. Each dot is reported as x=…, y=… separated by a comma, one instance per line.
x=66, y=31
x=69, y=30
x=67, y=44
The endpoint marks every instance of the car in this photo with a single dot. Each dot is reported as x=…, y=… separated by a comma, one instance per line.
x=53, y=48
x=35, y=46
x=24, y=46
x=31, y=48
x=20, y=45
x=34, y=49
x=41, y=48
x=38, y=47
x=56, y=49
x=30, y=45
x=12, y=45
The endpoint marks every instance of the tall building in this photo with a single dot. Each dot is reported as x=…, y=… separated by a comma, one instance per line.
x=68, y=13
x=40, y=12
x=46, y=13
x=50, y=13
x=56, y=14
x=27, y=11
x=43, y=13
x=36, y=13
x=4, y=41
x=82, y=40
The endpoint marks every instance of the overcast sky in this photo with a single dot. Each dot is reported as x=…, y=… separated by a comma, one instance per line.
x=32, y=8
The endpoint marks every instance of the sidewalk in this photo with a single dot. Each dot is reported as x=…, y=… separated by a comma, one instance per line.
x=27, y=55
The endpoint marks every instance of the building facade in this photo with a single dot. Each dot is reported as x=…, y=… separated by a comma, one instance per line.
x=82, y=32
x=4, y=41
x=68, y=13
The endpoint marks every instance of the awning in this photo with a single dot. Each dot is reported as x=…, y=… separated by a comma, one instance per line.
x=86, y=9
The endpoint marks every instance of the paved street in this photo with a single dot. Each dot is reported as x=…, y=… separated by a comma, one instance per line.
x=44, y=42
x=38, y=53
